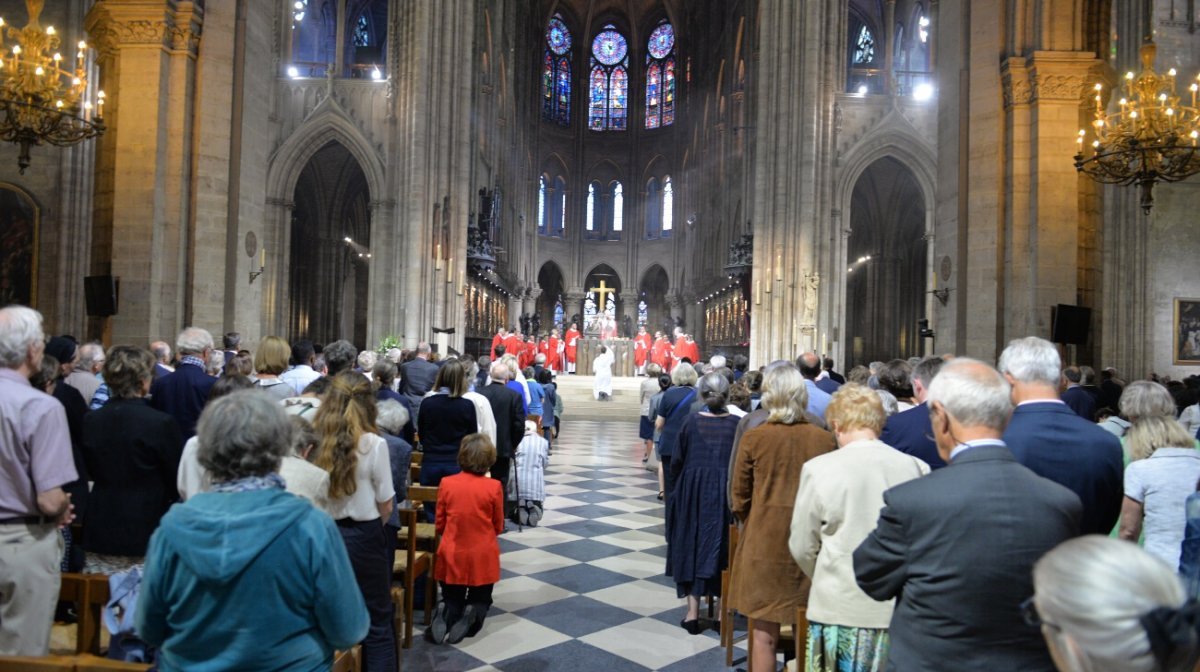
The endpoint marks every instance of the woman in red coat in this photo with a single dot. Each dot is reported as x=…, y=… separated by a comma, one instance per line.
x=470, y=515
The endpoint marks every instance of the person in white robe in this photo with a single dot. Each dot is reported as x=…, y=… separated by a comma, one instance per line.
x=602, y=369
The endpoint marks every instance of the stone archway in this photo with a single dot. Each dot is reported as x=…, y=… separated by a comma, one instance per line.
x=653, y=290
x=550, y=281
x=330, y=249
x=886, y=264
x=603, y=273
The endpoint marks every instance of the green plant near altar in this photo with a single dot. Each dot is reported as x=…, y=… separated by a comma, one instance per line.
x=387, y=343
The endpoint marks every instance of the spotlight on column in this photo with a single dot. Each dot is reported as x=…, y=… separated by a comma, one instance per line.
x=923, y=91
x=923, y=326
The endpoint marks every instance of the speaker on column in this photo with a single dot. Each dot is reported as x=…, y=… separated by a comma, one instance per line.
x=100, y=295
x=1070, y=324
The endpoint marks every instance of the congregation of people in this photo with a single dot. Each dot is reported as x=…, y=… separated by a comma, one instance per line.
x=926, y=514
x=253, y=497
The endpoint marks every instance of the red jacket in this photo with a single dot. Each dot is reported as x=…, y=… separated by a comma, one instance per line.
x=641, y=348
x=470, y=514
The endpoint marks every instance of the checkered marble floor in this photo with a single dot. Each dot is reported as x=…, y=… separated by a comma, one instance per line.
x=585, y=590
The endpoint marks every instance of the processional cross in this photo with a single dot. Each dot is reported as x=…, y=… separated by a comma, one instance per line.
x=603, y=291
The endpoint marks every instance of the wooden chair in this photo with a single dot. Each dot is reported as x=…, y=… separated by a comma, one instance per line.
x=90, y=593
x=727, y=614
x=349, y=660
x=419, y=495
x=37, y=664
x=411, y=563
x=90, y=663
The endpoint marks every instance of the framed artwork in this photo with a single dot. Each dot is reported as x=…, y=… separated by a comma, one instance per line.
x=1186, y=336
x=18, y=247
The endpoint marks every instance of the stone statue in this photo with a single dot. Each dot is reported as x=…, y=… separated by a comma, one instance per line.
x=525, y=323
x=536, y=323
x=812, y=283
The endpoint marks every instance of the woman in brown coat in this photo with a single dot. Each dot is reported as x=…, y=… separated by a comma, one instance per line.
x=767, y=586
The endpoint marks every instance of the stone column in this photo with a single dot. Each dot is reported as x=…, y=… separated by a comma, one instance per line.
x=143, y=170
x=889, y=47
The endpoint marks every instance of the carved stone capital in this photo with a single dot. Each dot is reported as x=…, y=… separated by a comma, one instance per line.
x=1062, y=76
x=1016, y=82
x=112, y=27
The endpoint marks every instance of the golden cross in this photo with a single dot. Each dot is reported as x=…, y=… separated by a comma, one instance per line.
x=603, y=290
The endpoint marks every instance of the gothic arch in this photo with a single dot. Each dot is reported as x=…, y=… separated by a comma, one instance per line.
x=888, y=140
x=328, y=123
x=657, y=166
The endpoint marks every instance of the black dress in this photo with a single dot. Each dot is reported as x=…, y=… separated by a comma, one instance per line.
x=698, y=523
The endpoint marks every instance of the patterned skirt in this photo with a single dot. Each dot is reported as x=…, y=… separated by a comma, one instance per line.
x=837, y=648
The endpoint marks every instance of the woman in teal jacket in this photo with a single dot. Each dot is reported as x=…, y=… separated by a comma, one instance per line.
x=247, y=576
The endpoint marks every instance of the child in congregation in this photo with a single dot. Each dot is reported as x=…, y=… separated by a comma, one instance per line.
x=533, y=454
x=470, y=517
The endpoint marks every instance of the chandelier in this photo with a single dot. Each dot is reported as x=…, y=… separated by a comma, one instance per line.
x=1151, y=138
x=41, y=101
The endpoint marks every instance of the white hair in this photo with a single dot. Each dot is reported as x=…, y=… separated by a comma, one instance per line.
x=392, y=416
x=367, y=359
x=890, y=404
x=973, y=393
x=717, y=361
x=1032, y=360
x=20, y=329
x=193, y=341
x=1093, y=590
x=1146, y=398
x=500, y=371
x=88, y=354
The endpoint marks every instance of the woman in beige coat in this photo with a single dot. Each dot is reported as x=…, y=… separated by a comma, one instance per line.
x=766, y=585
x=837, y=506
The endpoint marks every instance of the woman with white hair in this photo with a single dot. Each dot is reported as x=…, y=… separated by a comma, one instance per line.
x=1107, y=606
x=1158, y=481
x=767, y=586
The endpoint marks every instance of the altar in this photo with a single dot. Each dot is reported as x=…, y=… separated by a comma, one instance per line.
x=589, y=349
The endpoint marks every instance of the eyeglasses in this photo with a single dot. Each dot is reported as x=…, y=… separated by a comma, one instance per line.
x=1032, y=618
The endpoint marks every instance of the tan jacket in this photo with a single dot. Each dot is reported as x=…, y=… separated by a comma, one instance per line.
x=837, y=506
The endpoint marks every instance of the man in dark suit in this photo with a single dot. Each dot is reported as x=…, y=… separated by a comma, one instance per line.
x=417, y=376
x=957, y=547
x=509, y=410
x=1049, y=438
x=182, y=394
x=1077, y=398
x=162, y=357
x=1111, y=388
x=909, y=431
x=838, y=378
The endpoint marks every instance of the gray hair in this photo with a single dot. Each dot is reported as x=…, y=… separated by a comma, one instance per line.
x=1032, y=360
x=927, y=370
x=423, y=348
x=339, y=356
x=684, y=375
x=540, y=358
x=1087, y=375
x=161, y=351
x=20, y=329
x=391, y=416
x=193, y=341
x=1146, y=398
x=713, y=389
x=215, y=363
x=785, y=395
x=243, y=434
x=973, y=393
x=500, y=371
x=393, y=355
x=875, y=367
x=717, y=361
x=890, y=405
x=88, y=354
x=367, y=359
x=1095, y=590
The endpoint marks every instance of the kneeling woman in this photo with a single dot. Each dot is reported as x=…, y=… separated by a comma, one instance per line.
x=470, y=515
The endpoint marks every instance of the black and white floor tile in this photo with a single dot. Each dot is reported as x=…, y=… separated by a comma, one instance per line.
x=585, y=590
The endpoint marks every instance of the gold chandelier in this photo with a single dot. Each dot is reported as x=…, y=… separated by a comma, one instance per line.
x=1151, y=138
x=41, y=101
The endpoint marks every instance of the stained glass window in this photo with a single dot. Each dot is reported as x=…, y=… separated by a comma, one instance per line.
x=864, y=47
x=608, y=88
x=668, y=206
x=541, y=216
x=556, y=73
x=660, y=76
x=362, y=31
x=618, y=205
x=591, y=207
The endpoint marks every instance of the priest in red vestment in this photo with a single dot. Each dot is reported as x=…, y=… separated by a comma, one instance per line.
x=527, y=352
x=660, y=352
x=641, y=349
x=687, y=349
x=551, y=351
x=498, y=339
x=514, y=344
x=571, y=346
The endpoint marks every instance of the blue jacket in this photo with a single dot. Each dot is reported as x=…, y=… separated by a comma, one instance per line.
x=1189, y=557
x=182, y=395
x=908, y=432
x=1057, y=444
x=249, y=581
x=1080, y=401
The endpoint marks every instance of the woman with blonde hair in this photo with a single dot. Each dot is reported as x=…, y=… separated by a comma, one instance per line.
x=766, y=585
x=271, y=360
x=837, y=505
x=360, y=501
x=1162, y=474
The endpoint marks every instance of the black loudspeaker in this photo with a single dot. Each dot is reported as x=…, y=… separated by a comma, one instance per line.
x=100, y=294
x=1070, y=324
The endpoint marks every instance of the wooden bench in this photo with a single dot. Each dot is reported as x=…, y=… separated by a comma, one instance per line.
x=90, y=593
x=79, y=663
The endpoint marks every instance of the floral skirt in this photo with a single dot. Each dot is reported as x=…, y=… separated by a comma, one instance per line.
x=837, y=648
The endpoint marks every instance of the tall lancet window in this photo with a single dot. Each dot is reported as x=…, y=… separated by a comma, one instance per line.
x=608, y=88
x=660, y=76
x=556, y=73
x=541, y=210
x=591, y=207
x=668, y=206
x=618, y=208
